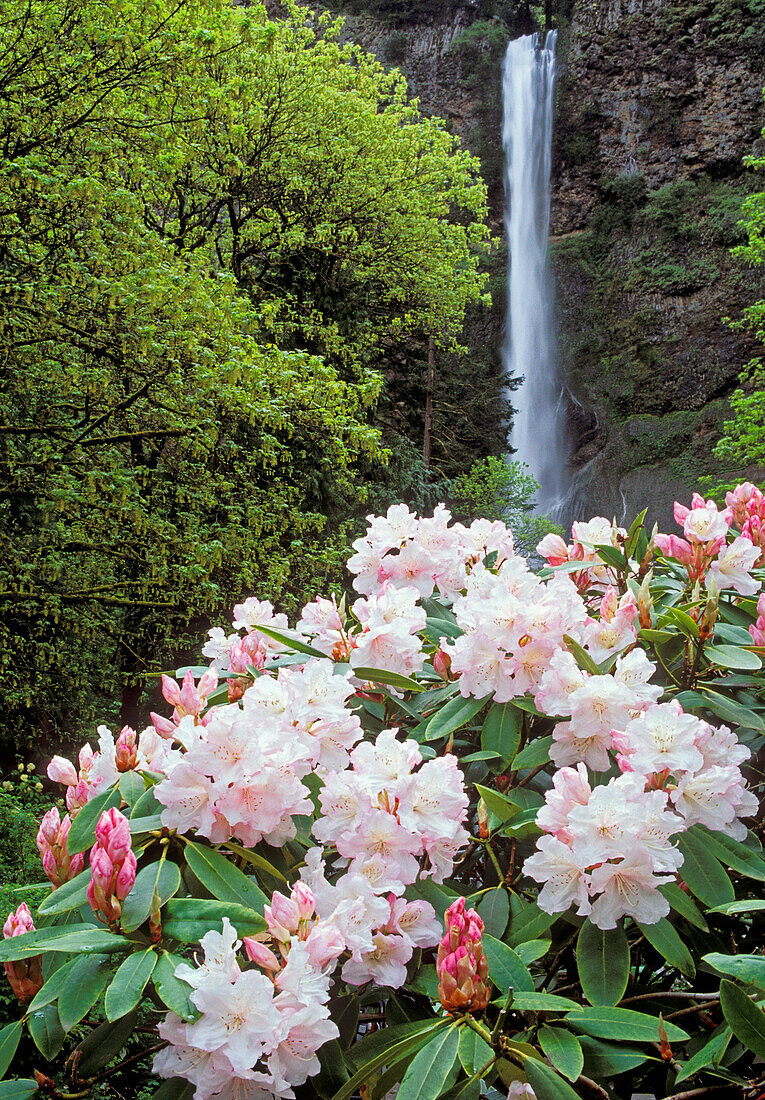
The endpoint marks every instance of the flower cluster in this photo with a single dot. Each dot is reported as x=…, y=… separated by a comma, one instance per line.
x=385, y=817
x=757, y=630
x=746, y=508
x=239, y=775
x=463, y=972
x=25, y=975
x=113, y=864
x=52, y=835
x=257, y=1033
x=705, y=551
x=585, y=538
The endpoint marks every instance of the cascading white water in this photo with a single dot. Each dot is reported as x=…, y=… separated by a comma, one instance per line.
x=538, y=434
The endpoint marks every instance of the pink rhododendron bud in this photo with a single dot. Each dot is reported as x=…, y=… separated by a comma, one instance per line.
x=461, y=965
x=758, y=630
x=77, y=796
x=553, y=548
x=126, y=750
x=170, y=690
x=24, y=975
x=483, y=819
x=164, y=727
x=62, y=771
x=58, y=865
x=113, y=865
x=282, y=917
x=442, y=663
x=645, y=602
x=258, y=953
x=303, y=897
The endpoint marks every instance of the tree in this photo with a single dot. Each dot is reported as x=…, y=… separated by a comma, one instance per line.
x=212, y=223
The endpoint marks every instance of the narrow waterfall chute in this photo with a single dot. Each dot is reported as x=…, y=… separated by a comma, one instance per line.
x=538, y=434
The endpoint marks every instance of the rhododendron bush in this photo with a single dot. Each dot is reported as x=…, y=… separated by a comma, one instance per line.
x=482, y=828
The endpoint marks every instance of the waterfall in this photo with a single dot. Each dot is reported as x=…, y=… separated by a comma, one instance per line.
x=538, y=433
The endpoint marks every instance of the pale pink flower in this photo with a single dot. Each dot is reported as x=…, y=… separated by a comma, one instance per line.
x=628, y=887
x=733, y=567
x=563, y=874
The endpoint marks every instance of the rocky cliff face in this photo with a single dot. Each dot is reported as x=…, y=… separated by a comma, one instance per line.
x=658, y=104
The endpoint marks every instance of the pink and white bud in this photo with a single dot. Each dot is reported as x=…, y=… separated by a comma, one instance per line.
x=303, y=897
x=164, y=727
x=126, y=750
x=170, y=690
x=113, y=866
x=24, y=975
x=77, y=796
x=58, y=865
x=260, y=954
x=113, y=834
x=463, y=973
x=61, y=770
x=282, y=917
x=442, y=664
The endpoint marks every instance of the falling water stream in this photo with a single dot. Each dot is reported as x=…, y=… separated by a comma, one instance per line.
x=538, y=434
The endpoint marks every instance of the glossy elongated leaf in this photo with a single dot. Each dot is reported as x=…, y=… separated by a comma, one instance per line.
x=99, y=1047
x=494, y=910
x=505, y=967
x=501, y=806
x=431, y=1068
x=387, y=1055
x=733, y=656
x=731, y=711
x=603, y=1060
x=532, y=950
x=256, y=860
x=501, y=731
x=21, y=1089
x=375, y=1042
x=527, y=921
x=128, y=983
x=535, y=753
x=224, y=881
x=603, y=962
x=53, y=986
x=622, y=1024
x=84, y=984
x=333, y=1073
x=175, y=1088
x=453, y=716
x=709, y=1055
x=563, y=1049
x=732, y=853
x=546, y=1083
x=474, y=1052
x=174, y=992
x=153, y=886
x=131, y=786
x=580, y=655
x=746, y=905
x=9, y=1041
x=664, y=938
x=702, y=872
x=683, y=904
x=67, y=938
x=82, y=833
x=747, y=968
x=746, y=1019
x=146, y=824
x=70, y=896
x=543, y=1002
x=392, y=679
x=46, y=1031
x=147, y=805
x=290, y=642
x=206, y=911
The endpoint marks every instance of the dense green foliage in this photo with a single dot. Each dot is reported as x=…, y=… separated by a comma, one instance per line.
x=215, y=229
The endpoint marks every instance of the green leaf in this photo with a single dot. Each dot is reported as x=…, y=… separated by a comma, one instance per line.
x=205, y=914
x=581, y=656
x=392, y=679
x=732, y=853
x=532, y=950
x=501, y=731
x=603, y=962
x=21, y=1089
x=452, y=716
x=733, y=656
x=563, y=1049
x=425, y=982
x=543, y=1002
x=71, y=895
x=527, y=921
x=333, y=1073
x=99, y=1047
x=68, y=938
x=290, y=642
x=175, y=1088
x=622, y=1024
x=494, y=910
x=173, y=991
x=683, y=621
x=9, y=1041
x=745, y=1018
x=546, y=1083
x=684, y=905
x=387, y=1055
x=709, y=1055
x=53, y=986
x=663, y=937
x=147, y=805
x=84, y=983
x=128, y=983
x=224, y=881
x=701, y=872
x=731, y=711
x=145, y=824
x=131, y=786
x=499, y=804
x=431, y=1068
x=82, y=833
x=153, y=886
x=603, y=1060
x=256, y=860
x=535, y=753
x=376, y=1042
x=747, y=968
x=474, y=1052
x=46, y=1031
x=505, y=967
x=744, y=906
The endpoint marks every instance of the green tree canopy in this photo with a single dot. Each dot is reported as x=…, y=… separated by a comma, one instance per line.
x=213, y=228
